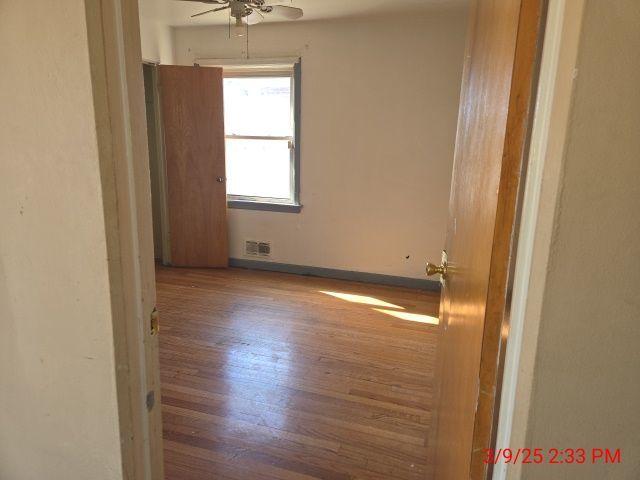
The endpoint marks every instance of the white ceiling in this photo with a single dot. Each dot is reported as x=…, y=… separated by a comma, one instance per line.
x=177, y=12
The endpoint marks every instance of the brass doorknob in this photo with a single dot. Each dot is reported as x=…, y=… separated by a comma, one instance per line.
x=436, y=270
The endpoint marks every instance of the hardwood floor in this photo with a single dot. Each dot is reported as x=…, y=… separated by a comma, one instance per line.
x=266, y=377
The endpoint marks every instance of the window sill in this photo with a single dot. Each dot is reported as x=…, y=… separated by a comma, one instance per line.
x=264, y=206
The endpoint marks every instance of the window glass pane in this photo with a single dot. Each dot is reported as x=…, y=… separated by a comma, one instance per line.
x=259, y=168
x=258, y=106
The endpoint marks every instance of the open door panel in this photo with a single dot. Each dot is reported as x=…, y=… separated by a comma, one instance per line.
x=193, y=122
x=496, y=102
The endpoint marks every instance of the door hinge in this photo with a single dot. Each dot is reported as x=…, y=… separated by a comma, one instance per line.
x=155, y=321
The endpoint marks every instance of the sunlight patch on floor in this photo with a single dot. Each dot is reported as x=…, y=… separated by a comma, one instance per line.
x=385, y=307
x=412, y=317
x=363, y=299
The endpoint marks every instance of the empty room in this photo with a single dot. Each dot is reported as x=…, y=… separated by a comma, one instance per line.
x=301, y=167
x=306, y=168
x=319, y=239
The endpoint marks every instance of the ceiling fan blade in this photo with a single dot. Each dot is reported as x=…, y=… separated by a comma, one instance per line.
x=290, y=13
x=210, y=11
x=254, y=18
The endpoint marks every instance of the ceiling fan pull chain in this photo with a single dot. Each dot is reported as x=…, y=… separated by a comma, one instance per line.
x=247, y=48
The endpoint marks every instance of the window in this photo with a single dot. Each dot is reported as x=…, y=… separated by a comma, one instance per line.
x=261, y=110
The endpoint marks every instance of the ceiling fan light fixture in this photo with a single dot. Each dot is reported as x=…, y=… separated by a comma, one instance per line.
x=239, y=29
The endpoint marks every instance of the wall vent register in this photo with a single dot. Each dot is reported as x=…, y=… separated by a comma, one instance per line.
x=254, y=248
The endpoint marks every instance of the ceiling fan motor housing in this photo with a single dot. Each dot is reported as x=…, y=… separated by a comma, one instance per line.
x=244, y=8
x=240, y=9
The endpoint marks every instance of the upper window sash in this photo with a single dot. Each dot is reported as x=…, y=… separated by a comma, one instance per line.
x=280, y=128
x=250, y=73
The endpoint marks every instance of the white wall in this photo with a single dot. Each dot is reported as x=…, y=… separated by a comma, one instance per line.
x=156, y=41
x=379, y=109
x=585, y=390
x=58, y=409
x=156, y=37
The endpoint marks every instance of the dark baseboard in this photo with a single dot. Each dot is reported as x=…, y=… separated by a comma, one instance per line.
x=375, y=278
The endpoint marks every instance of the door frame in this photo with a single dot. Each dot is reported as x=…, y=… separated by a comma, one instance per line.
x=113, y=32
x=548, y=136
x=514, y=168
x=162, y=161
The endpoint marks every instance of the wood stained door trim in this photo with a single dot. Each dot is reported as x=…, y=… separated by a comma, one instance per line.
x=513, y=172
x=556, y=79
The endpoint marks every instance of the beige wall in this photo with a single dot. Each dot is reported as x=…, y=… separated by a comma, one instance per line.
x=58, y=411
x=379, y=108
x=156, y=37
x=156, y=41
x=586, y=388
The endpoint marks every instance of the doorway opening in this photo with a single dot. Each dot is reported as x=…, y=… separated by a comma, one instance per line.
x=299, y=336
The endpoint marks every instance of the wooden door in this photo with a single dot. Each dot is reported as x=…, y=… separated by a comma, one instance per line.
x=193, y=122
x=496, y=100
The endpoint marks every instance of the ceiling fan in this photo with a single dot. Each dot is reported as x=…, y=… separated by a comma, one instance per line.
x=251, y=11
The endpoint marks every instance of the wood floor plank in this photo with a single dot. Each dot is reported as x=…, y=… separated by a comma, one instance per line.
x=324, y=381
x=281, y=377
